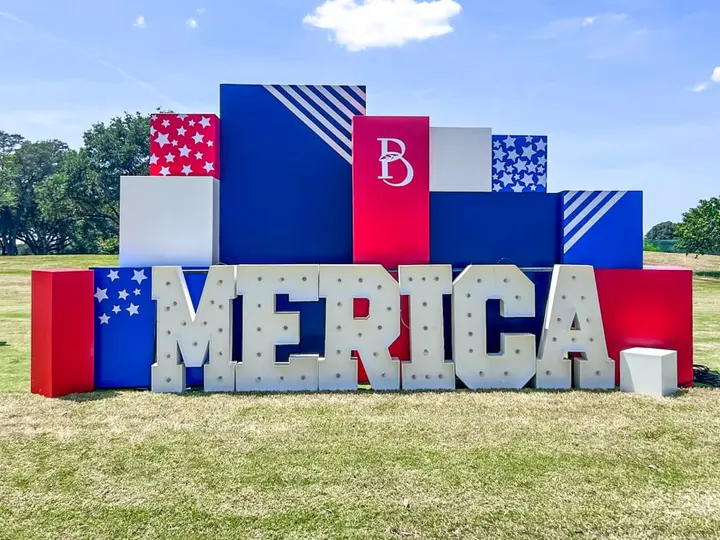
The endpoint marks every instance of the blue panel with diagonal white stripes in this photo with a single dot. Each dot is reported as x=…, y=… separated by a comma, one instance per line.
x=602, y=228
x=285, y=157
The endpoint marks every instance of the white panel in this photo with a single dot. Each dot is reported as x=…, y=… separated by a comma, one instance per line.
x=460, y=159
x=370, y=336
x=181, y=329
x=573, y=302
x=216, y=222
x=428, y=368
x=648, y=371
x=264, y=328
x=168, y=220
x=514, y=366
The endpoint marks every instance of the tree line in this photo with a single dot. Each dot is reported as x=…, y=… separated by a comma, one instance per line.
x=57, y=200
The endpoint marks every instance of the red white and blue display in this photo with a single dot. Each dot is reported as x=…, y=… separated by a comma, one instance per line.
x=305, y=177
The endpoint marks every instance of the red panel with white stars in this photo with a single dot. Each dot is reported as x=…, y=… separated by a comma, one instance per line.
x=184, y=144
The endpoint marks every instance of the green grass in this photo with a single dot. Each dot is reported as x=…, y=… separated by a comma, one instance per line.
x=360, y=465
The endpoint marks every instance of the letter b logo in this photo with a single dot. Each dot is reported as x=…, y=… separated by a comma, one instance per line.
x=387, y=156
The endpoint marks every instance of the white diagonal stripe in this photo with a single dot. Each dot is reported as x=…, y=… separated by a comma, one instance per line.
x=335, y=101
x=344, y=122
x=570, y=209
x=309, y=123
x=585, y=211
x=569, y=195
x=317, y=116
x=350, y=99
x=359, y=92
x=593, y=220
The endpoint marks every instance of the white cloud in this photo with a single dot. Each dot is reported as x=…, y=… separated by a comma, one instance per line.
x=715, y=77
x=563, y=27
x=201, y=11
x=191, y=23
x=362, y=24
x=139, y=22
x=700, y=87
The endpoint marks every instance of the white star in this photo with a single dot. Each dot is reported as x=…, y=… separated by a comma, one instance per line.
x=506, y=179
x=198, y=155
x=133, y=309
x=541, y=145
x=181, y=131
x=528, y=152
x=170, y=157
x=496, y=187
x=204, y=122
x=533, y=187
x=209, y=166
x=513, y=155
x=517, y=188
x=113, y=275
x=542, y=160
x=153, y=159
x=210, y=143
x=153, y=117
x=174, y=143
x=165, y=171
x=531, y=167
x=136, y=292
x=152, y=130
x=100, y=294
x=166, y=122
x=496, y=144
x=191, y=123
x=198, y=138
x=123, y=294
x=184, y=151
x=104, y=319
x=182, y=117
x=521, y=165
x=162, y=139
x=116, y=309
x=499, y=154
x=509, y=141
x=187, y=170
x=139, y=276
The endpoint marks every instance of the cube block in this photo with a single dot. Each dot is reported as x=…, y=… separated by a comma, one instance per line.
x=61, y=332
x=648, y=371
x=287, y=178
x=171, y=220
x=602, y=228
x=460, y=159
x=650, y=307
x=185, y=145
x=519, y=163
x=495, y=228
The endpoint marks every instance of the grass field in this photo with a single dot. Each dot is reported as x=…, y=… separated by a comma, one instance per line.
x=366, y=465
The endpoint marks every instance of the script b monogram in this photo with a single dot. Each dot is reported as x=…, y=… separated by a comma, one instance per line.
x=387, y=156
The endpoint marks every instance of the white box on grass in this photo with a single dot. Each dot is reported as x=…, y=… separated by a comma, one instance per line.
x=648, y=371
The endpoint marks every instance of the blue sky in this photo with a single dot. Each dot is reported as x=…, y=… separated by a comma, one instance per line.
x=623, y=88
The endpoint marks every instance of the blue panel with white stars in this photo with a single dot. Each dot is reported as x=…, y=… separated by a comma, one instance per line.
x=519, y=163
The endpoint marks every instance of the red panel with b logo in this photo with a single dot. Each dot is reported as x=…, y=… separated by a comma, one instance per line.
x=391, y=203
x=391, y=190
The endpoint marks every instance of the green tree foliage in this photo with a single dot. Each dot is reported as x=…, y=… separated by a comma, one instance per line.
x=667, y=230
x=699, y=232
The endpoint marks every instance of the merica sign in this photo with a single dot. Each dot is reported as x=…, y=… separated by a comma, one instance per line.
x=202, y=338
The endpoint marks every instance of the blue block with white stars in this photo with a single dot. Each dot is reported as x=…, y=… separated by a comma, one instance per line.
x=519, y=163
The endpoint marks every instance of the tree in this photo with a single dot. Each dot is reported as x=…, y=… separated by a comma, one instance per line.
x=667, y=230
x=9, y=143
x=91, y=176
x=699, y=232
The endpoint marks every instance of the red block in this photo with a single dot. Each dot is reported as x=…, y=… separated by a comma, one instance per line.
x=62, y=332
x=391, y=190
x=185, y=145
x=649, y=307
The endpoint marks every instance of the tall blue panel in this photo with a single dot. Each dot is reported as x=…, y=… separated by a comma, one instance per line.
x=602, y=228
x=496, y=324
x=495, y=228
x=125, y=318
x=286, y=190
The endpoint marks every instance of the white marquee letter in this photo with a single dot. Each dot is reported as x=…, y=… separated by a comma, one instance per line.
x=180, y=326
x=514, y=366
x=428, y=368
x=264, y=328
x=573, y=323
x=370, y=336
